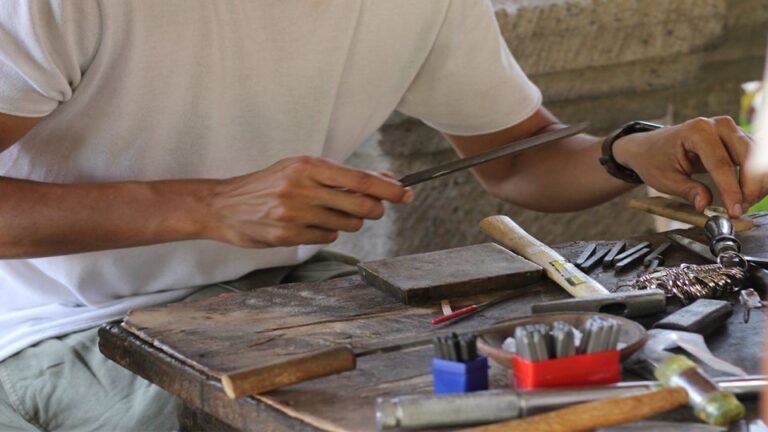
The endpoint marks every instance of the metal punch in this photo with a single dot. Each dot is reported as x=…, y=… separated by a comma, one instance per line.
x=585, y=254
x=750, y=299
x=629, y=252
x=655, y=258
x=615, y=250
x=631, y=260
x=592, y=262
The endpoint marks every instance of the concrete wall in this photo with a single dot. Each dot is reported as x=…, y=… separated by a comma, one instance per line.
x=605, y=61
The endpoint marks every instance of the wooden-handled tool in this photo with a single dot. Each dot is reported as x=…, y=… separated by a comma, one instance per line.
x=594, y=415
x=302, y=368
x=684, y=384
x=305, y=367
x=557, y=268
x=680, y=211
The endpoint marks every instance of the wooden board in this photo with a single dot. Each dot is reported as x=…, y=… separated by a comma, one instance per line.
x=681, y=211
x=451, y=273
x=182, y=346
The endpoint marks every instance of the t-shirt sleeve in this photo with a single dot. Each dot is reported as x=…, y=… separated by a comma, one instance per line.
x=470, y=83
x=45, y=48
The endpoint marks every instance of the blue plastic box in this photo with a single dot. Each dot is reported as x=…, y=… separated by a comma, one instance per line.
x=457, y=377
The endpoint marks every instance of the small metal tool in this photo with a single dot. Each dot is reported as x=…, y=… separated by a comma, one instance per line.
x=599, y=335
x=629, y=252
x=626, y=304
x=437, y=344
x=750, y=299
x=468, y=311
x=655, y=258
x=563, y=335
x=608, y=261
x=723, y=243
x=592, y=262
x=540, y=344
x=507, y=150
x=585, y=255
x=702, y=316
x=630, y=261
x=456, y=348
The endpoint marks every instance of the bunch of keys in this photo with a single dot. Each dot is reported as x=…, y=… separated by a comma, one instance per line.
x=731, y=271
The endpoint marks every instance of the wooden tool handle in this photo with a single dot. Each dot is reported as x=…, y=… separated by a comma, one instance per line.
x=557, y=268
x=597, y=414
x=306, y=367
x=681, y=211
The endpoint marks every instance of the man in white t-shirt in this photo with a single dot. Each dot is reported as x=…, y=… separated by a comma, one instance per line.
x=149, y=148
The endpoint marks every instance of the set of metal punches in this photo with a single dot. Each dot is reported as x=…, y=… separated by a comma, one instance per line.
x=537, y=342
x=456, y=348
x=619, y=259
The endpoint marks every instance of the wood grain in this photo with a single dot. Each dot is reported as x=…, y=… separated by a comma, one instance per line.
x=186, y=347
x=451, y=273
x=680, y=211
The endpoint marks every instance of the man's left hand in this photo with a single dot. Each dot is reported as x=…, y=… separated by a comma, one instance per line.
x=666, y=158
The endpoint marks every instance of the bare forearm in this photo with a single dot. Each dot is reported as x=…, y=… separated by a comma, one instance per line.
x=301, y=200
x=562, y=176
x=44, y=219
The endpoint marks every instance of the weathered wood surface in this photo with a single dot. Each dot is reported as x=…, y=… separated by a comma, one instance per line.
x=451, y=273
x=234, y=330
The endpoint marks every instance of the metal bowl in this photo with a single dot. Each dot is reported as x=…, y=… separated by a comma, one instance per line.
x=489, y=342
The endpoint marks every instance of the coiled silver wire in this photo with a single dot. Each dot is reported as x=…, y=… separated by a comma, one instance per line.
x=690, y=282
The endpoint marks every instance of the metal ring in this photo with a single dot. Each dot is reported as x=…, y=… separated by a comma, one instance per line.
x=734, y=260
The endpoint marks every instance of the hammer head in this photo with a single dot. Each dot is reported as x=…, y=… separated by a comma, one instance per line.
x=626, y=304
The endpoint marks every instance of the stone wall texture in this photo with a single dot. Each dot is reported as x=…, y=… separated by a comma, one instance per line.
x=605, y=61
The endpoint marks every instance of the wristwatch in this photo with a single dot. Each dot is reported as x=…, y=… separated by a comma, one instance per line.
x=609, y=162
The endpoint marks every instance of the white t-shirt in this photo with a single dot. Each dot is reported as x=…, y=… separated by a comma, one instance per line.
x=148, y=90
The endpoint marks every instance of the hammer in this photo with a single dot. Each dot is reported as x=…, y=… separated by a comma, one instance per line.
x=684, y=384
x=507, y=232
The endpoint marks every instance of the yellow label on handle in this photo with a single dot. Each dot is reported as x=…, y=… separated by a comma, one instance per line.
x=568, y=271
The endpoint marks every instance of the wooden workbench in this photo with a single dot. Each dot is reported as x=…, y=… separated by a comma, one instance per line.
x=346, y=311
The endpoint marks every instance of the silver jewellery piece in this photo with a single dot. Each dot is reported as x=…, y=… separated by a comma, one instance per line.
x=731, y=259
x=691, y=282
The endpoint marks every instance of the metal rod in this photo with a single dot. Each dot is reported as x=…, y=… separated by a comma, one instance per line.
x=507, y=150
x=615, y=250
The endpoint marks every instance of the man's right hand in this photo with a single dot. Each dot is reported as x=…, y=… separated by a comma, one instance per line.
x=296, y=201
x=301, y=200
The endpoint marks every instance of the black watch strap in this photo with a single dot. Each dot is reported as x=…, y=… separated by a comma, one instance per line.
x=609, y=162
